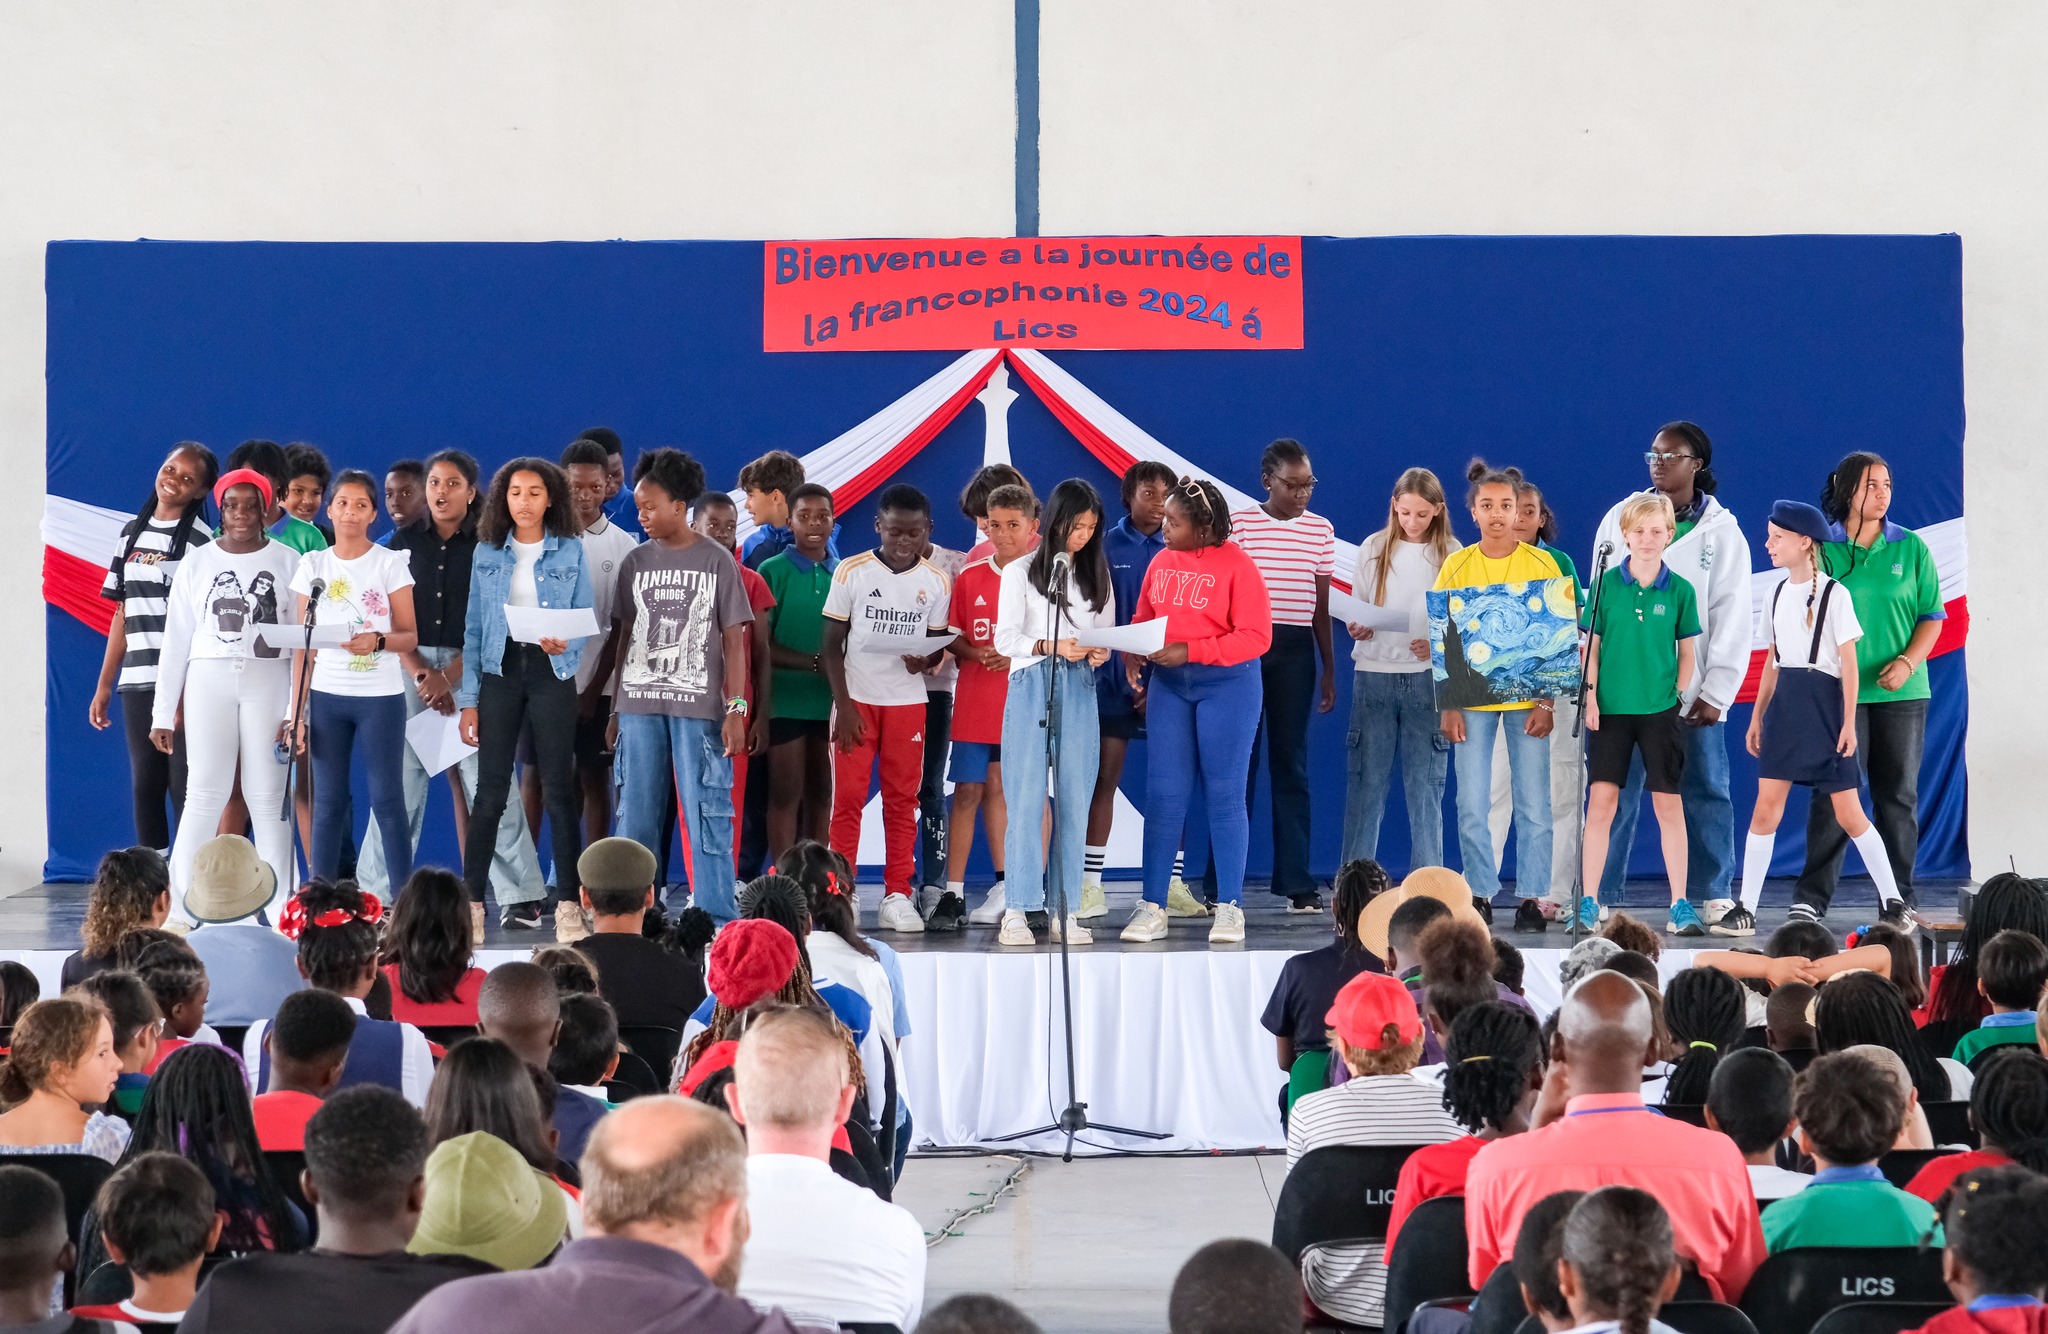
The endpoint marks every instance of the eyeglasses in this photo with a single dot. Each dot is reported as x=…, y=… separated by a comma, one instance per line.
x=1307, y=484
x=1655, y=457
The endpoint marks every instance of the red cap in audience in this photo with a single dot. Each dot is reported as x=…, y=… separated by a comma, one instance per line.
x=1367, y=1004
x=751, y=958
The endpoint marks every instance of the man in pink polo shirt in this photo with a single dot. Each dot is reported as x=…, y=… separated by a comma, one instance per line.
x=1605, y=1136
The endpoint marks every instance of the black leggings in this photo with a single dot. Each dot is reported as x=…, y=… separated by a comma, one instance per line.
x=157, y=775
x=525, y=692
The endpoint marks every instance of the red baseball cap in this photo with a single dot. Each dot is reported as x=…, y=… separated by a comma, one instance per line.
x=1367, y=1004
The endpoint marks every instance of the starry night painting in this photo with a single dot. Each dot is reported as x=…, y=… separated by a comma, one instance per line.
x=1504, y=643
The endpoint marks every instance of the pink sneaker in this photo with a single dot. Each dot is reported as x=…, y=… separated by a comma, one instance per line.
x=1551, y=912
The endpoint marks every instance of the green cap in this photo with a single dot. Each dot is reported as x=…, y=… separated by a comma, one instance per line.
x=615, y=863
x=486, y=1202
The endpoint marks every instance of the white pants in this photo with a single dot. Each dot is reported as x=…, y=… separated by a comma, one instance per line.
x=1567, y=802
x=233, y=708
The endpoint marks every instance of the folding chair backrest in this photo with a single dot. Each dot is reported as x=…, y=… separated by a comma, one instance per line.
x=1343, y=1193
x=1902, y=1165
x=1793, y=1289
x=1428, y=1259
x=1879, y=1317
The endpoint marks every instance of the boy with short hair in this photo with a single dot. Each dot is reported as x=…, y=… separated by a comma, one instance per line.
x=1539, y=1245
x=1009, y=522
x=645, y=984
x=157, y=1218
x=1786, y=1024
x=587, y=1049
x=1639, y=660
x=793, y=730
x=1749, y=1099
x=2012, y=968
x=35, y=1255
x=879, y=615
x=308, y=1046
x=1850, y=1113
x=770, y=484
x=714, y=516
x=283, y=469
x=405, y=494
x=303, y=495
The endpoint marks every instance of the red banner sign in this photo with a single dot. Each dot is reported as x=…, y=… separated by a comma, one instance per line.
x=1178, y=292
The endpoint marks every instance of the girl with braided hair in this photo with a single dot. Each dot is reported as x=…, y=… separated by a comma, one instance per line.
x=1995, y=1264
x=177, y=981
x=1706, y=1012
x=754, y=960
x=1310, y=981
x=1862, y=1008
x=1619, y=1264
x=2009, y=1108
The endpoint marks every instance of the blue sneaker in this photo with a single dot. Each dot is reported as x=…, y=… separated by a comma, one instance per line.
x=1685, y=920
x=1589, y=914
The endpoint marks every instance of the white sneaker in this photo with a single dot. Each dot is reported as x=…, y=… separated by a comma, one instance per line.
x=1076, y=933
x=1092, y=903
x=1148, y=922
x=569, y=924
x=1228, y=928
x=1181, y=901
x=898, y=913
x=1016, y=931
x=1713, y=910
x=476, y=924
x=1605, y=912
x=991, y=910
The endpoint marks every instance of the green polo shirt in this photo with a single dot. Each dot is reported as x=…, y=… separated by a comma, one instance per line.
x=2018, y=1028
x=1859, y=1212
x=1894, y=586
x=1639, y=627
x=299, y=535
x=797, y=622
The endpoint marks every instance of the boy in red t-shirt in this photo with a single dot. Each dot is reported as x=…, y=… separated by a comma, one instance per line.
x=308, y=1045
x=1010, y=523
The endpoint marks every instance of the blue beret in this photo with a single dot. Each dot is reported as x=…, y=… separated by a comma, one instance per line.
x=1796, y=516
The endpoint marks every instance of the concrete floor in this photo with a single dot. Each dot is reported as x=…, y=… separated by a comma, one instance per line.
x=1088, y=1247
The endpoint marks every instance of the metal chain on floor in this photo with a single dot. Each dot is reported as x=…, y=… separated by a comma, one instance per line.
x=950, y=1227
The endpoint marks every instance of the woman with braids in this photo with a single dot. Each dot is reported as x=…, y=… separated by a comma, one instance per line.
x=2009, y=1108
x=1862, y=1007
x=1889, y=574
x=2006, y=902
x=1619, y=1263
x=1202, y=701
x=1706, y=1012
x=427, y=952
x=1995, y=1264
x=1493, y=1070
x=131, y=889
x=337, y=926
x=139, y=582
x=1297, y=1012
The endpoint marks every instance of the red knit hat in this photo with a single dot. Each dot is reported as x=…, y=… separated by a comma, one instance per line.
x=1367, y=1004
x=751, y=958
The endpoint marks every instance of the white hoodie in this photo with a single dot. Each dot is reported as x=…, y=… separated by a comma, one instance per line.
x=1714, y=559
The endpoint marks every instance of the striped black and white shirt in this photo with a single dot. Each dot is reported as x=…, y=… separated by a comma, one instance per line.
x=140, y=581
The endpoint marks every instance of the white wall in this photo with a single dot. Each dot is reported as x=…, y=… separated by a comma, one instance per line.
x=525, y=119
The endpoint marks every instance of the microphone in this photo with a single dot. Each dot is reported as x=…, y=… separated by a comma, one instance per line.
x=313, y=595
x=1060, y=564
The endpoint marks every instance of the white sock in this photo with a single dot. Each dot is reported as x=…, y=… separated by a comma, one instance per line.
x=1092, y=860
x=1756, y=864
x=957, y=887
x=1878, y=862
x=1179, y=864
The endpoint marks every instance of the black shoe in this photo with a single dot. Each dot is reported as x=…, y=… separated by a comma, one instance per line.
x=1310, y=902
x=521, y=917
x=1804, y=912
x=948, y=914
x=1895, y=914
x=1038, y=921
x=1484, y=907
x=1529, y=917
x=1737, y=921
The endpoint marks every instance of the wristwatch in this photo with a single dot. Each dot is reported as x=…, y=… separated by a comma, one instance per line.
x=380, y=642
x=736, y=705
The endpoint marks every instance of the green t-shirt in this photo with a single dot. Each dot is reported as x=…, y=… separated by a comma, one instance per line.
x=1972, y=1043
x=1567, y=569
x=797, y=622
x=1894, y=586
x=1639, y=626
x=1848, y=1213
x=299, y=535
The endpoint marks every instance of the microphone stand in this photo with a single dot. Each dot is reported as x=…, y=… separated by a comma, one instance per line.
x=298, y=713
x=1074, y=1119
x=1578, y=731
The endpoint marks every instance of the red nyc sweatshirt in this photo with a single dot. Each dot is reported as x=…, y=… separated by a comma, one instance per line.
x=1214, y=601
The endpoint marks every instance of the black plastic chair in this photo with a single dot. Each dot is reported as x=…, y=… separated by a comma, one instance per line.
x=1950, y=1122
x=445, y=1036
x=655, y=1045
x=1879, y=1317
x=633, y=1079
x=1902, y=1165
x=232, y=1035
x=1498, y=1308
x=1342, y=1194
x=868, y=1327
x=1427, y=1262
x=1705, y=1318
x=1793, y=1289
x=287, y=1166
x=1692, y=1113
x=106, y=1284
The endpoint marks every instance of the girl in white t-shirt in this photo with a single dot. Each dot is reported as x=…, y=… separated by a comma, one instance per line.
x=1804, y=727
x=357, y=703
x=234, y=690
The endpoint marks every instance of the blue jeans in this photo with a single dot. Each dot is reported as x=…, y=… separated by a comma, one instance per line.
x=1390, y=712
x=1709, y=819
x=1025, y=717
x=342, y=727
x=652, y=745
x=1529, y=776
x=1199, y=718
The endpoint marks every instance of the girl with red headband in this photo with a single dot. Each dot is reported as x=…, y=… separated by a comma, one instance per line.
x=234, y=690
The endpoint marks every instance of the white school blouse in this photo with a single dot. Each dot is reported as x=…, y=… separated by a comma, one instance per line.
x=1023, y=613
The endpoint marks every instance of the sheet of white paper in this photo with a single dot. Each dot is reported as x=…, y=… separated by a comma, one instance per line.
x=294, y=636
x=530, y=625
x=437, y=739
x=1348, y=610
x=1143, y=639
x=895, y=646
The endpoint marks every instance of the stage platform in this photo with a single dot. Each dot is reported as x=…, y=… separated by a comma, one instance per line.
x=1167, y=1037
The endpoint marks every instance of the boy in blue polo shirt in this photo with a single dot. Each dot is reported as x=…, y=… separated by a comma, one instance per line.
x=1639, y=660
x=2011, y=970
x=1849, y=1113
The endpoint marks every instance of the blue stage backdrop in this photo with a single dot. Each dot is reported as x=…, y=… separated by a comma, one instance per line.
x=1561, y=355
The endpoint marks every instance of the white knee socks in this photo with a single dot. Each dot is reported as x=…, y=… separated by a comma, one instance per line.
x=1756, y=864
x=1870, y=844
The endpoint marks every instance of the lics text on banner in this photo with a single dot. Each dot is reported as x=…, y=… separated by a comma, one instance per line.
x=1167, y=292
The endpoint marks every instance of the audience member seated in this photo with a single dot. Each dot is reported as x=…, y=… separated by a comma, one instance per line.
x=427, y=953
x=486, y=1201
x=249, y=965
x=1509, y=966
x=307, y=1046
x=157, y=1221
x=482, y=1085
x=19, y=989
x=817, y=869
x=62, y=1061
x=1617, y=1265
x=178, y=984
x=2007, y=901
x=1788, y=1023
x=132, y=1010
x=665, y=1183
x=1235, y=1286
x=366, y=1155
x=1641, y=970
x=1493, y=1070
x=976, y=1313
x=587, y=1048
x=1864, y=1008
x=2011, y=970
x=1590, y=955
x=575, y=973
x=2009, y=1108
x=1377, y=1032
x=520, y=1007
x=1750, y=1101
x=1309, y=981
x=1633, y=936
x=131, y=888
x=1592, y=1130
x=1539, y=1249
x=1457, y=973
x=336, y=929
x=35, y=1254
x=1705, y=1015
x=1995, y=1263
x=1849, y=1113
x=646, y=984
x=1905, y=964
x=821, y=1249
x=1914, y=1132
